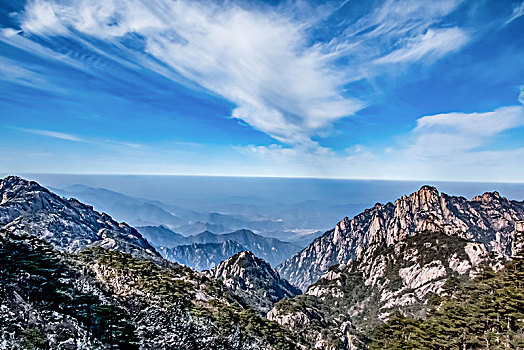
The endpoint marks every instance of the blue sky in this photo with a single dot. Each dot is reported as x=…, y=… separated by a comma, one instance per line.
x=411, y=90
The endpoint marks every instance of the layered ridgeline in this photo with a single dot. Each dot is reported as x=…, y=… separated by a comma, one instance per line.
x=254, y=280
x=488, y=219
x=73, y=278
x=272, y=250
x=201, y=256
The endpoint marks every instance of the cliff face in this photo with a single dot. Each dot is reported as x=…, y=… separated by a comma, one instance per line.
x=488, y=219
x=350, y=300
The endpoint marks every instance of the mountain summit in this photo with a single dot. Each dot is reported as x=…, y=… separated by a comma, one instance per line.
x=254, y=280
x=487, y=219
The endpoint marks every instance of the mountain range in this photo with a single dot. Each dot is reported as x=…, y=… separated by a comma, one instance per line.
x=427, y=271
x=73, y=278
x=298, y=223
x=201, y=256
x=272, y=250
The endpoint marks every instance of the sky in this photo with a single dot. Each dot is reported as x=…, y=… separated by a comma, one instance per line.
x=358, y=89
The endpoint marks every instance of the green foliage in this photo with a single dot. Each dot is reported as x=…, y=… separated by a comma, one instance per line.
x=143, y=275
x=31, y=268
x=32, y=340
x=485, y=313
x=228, y=318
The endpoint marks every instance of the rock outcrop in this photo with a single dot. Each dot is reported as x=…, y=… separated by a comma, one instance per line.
x=253, y=280
x=488, y=219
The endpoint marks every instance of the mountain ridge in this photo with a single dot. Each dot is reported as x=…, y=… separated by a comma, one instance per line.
x=487, y=218
x=201, y=256
x=270, y=249
x=67, y=224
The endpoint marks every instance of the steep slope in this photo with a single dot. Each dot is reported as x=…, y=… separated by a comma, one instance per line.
x=254, y=280
x=488, y=219
x=101, y=299
x=27, y=207
x=201, y=256
x=349, y=301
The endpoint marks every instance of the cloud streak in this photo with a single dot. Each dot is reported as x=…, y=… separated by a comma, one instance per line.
x=53, y=134
x=447, y=146
x=518, y=11
x=281, y=79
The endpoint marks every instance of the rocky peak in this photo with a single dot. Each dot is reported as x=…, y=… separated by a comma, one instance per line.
x=488, y=197
x=27, y=207
x=253, y=280
x=488, y=219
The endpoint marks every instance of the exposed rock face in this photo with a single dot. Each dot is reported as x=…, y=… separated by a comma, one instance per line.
x=254, y=280
x=352, y=299
x=27, y=207
x=201, y=256
x=488, y=219
x=518, y=241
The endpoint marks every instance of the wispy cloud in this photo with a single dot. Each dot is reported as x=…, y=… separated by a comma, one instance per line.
x=53, y=134
x=281, y=79
x=518, y=11
x=431, y=45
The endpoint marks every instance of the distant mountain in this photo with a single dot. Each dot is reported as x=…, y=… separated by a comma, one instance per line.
x=272, y=250
x=161, y=236
x=28, y=208
x=254, y=280
x=135, y=211
x=195, y=227
x=201, y=256
x=488, y=219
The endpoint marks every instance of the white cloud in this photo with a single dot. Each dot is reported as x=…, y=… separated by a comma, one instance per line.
x=431, y=45
x=440, y=147
x=263, y=61
x=53, y=134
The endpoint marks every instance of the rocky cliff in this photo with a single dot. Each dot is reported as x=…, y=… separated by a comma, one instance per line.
x=488, y=219
x=253, y=280
x=350, y=300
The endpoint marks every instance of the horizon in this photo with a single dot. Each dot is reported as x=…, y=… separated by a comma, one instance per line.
x=25, y=174
x=372, y=90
